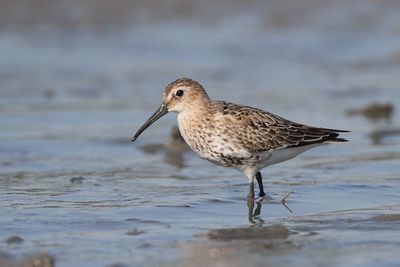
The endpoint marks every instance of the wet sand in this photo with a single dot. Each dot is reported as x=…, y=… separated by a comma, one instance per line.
x=77, y=80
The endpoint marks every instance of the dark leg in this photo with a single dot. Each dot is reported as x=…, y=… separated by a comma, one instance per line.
x=254, y=214
x=250, y=205
x=250, y=196
x=260, y=184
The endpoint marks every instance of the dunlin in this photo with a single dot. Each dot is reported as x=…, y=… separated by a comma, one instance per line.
x=237, y=136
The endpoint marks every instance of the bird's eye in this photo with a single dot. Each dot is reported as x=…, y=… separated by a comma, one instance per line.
x=179, y=93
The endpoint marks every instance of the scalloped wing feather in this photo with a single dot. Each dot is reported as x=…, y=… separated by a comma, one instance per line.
x=258, y=131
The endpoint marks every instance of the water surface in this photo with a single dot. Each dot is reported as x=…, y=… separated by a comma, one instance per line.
x=73, y=91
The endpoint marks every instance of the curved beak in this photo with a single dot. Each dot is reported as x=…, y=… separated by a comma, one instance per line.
x=162, y=110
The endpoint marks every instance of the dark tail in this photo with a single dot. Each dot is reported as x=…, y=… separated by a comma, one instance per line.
x=333, y=135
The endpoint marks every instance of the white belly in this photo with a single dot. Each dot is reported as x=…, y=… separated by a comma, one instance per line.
x=279, y=155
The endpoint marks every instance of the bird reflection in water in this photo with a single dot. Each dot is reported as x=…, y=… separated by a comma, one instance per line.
x=174, y=150
x=254, y=208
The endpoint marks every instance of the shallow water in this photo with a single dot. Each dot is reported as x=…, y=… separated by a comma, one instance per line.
x=72, y=95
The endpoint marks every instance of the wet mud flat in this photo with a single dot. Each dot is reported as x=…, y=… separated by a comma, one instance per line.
x=159, y=218
x=76, y=81
x=39, y=260
x=345, y=238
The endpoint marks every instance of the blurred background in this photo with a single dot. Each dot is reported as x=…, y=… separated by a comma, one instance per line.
x=77, y=79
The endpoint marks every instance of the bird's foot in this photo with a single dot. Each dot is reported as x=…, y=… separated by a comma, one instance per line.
x=283, y=201
x=286, y=197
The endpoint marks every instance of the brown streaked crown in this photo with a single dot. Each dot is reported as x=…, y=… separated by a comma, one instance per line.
x=183, y=82
x=193, y=94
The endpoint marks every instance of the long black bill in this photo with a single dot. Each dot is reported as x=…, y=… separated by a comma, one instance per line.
x=162, y=110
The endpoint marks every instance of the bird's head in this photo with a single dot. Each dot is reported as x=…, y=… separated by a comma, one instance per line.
x=181, y=95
